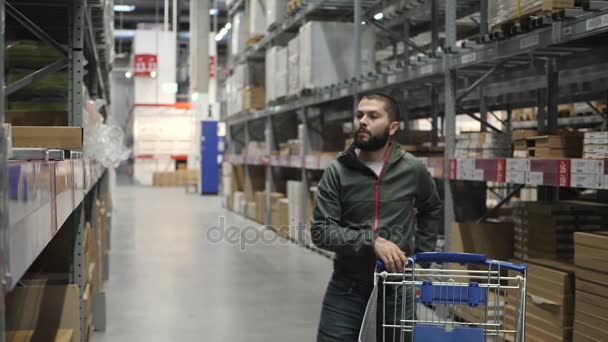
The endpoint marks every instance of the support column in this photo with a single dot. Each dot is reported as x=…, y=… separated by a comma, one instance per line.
x=357, y=49
x=483, y=19
x=434, y=26
x=483, y=109
x=3, y=185
x=434, y=115
x=268, y=134
x=552, y=94
x=406, y=37
x=76, y=63
x=304, y=150
x=450, y=118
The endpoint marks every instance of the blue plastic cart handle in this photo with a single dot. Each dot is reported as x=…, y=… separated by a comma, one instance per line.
x=462, y=258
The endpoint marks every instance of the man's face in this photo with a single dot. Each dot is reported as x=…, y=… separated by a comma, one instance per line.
x=373, y=126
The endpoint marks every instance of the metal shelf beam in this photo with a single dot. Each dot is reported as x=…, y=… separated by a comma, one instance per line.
x=558, y=33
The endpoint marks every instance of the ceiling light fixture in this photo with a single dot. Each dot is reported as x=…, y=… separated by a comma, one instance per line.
x=124, y=8
x=379, y=16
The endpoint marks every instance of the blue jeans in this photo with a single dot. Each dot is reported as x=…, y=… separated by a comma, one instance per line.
x=344, y=306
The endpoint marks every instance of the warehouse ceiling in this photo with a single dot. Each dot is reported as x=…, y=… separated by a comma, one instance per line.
x=152, y=12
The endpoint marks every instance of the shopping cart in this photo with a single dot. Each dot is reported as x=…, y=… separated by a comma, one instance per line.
x=461, y=304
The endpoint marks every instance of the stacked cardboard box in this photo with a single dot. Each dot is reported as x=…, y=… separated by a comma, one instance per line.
x=520, y=143
x=175, y=178
x=44, y=308
x=565, y=145
x=595, y=145
x=550, y=301
x=483, y=145
x=252, y=211
x=591, y=308
x=545, y=229
x=239, y=202
x=477, y=314
x=491, y=239
x=66, y=138
x=260, y=200
x=254, y=98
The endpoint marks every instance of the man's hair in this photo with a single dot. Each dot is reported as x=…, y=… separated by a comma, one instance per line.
x=390, y=104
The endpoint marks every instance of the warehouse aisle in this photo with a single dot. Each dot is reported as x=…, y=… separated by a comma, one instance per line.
x=169, y=282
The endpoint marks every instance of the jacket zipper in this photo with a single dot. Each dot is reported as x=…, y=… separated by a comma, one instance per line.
x=377, y=191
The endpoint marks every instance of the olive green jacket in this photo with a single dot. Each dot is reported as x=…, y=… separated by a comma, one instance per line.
x=353, y=207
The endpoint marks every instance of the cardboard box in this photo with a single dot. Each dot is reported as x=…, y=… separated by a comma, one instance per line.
x=591, y=250
x=550, y=279
x=67, y=138
x=252, y=210
x=536, y=328
x=586, y=329
x=36, y=118
x=595, y=148
x=492, y=239
x=61, y=335
x=591, y=299
x=596, y=135
x=44, y=308
x=260, y=200
x=591, y=276
x=254, y=98
x=282, y=226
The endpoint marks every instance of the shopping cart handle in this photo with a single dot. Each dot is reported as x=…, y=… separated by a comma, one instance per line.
x=445, y=257
x=461, y=258
x=467, y=259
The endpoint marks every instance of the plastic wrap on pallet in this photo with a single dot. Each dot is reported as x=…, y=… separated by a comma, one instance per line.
x=282, y=73
x=500, y=12
x=271, y=65
x=294, y=66
x=239, y=76
x=294, y=195
x=103, y=142
x=326, y=53
x=257, y=18
x=276, y=10
x=239, y=33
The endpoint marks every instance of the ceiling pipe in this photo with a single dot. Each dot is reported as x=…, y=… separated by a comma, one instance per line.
x=166, y=16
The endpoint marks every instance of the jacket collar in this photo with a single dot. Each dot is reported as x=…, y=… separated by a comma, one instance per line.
x=350, y=159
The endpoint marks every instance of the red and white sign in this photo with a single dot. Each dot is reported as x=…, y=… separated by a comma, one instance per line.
x=211, y=66
x=145, y=64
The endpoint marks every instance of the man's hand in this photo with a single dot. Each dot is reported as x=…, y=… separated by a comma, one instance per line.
x=391, y=255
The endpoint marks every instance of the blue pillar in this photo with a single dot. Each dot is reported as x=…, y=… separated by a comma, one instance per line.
x=209, y=158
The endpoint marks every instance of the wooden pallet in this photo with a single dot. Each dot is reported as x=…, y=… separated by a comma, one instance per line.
x=254, y=40
x=531, y=19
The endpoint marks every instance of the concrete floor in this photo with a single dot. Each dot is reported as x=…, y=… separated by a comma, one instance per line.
x=169, y=282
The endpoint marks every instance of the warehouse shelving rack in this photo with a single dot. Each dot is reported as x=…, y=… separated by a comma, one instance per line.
x=560, y=60
x=40, y=198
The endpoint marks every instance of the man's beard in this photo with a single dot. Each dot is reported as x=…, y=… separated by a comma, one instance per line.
x=374, y=143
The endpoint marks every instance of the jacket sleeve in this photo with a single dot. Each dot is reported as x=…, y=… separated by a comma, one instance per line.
x=429, y=211
x=326, y=231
